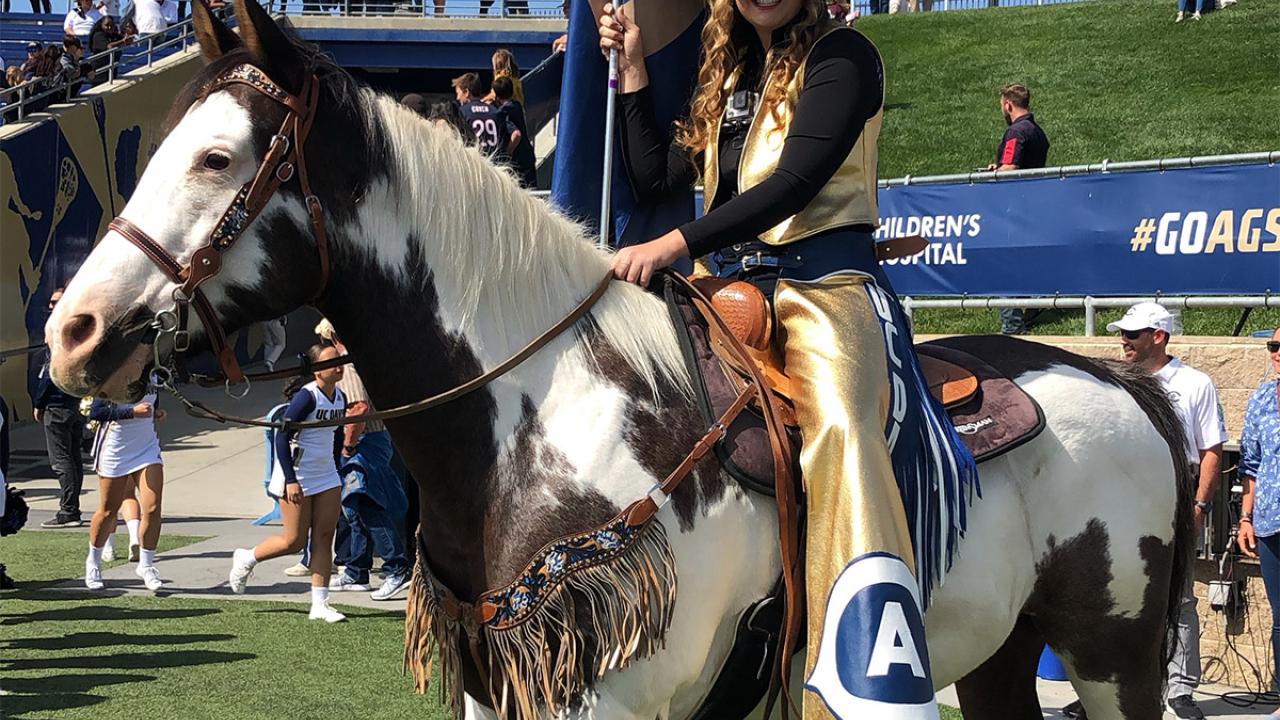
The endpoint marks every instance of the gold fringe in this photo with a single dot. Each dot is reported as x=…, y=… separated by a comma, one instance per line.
x=625, y=607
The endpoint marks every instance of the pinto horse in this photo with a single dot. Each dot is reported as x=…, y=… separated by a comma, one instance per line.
x=441, y=267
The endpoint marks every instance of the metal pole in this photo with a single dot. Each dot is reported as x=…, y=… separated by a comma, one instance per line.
x=611, y=98
x=1090, y=317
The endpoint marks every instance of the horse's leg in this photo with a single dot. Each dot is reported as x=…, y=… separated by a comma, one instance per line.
x=1004, y=687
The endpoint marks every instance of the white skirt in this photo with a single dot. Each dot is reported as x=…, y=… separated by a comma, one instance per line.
x=116, y=461
x=311, y=485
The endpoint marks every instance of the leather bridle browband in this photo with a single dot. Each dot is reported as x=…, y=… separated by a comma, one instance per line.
x=284, y=159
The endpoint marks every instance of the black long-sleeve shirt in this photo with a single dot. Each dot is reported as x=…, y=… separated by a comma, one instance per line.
x=843, y=88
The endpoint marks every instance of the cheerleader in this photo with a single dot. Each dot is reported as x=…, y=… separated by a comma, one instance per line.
x=307, y=484
x=126, y=457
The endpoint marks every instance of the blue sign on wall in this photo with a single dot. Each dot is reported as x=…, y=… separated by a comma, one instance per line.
x=1204, y=231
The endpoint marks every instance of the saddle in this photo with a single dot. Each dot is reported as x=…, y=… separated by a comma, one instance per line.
x=990, y=412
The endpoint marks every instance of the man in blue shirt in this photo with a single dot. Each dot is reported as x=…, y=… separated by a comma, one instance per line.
x=59, y=413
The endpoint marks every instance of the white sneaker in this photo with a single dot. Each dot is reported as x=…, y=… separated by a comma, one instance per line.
x=323, y=611
x=108, y=553
x=150, y=577
x=297, y=570
x=133, y=552
x=394, y=585
x=342, y=582
x=93, y=577
x=241, y=568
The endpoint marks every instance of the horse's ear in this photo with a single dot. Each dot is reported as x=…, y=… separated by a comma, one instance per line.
x=216, y=39
x=269, y=47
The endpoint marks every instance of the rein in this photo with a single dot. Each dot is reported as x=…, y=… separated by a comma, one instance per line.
x=195, y=408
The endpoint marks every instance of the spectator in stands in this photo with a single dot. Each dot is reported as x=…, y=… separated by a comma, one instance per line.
x=59, y=414
x=522, y=155
x=128, y=31
x=106, y=35
x=33, y=58
x=447, y=113
x=491, y=126
x=1259, y=534
x=70, y=68
x=150, y=15
x=1184, y=6
x=504, y=65
x=1144, y=336
x=561, y=43
x=42, y=6
x=13, y=76
x=80, y=20
x=1023, y=146
x=512, y=7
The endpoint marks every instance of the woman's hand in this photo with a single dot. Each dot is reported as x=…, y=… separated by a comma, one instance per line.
x=293, y=493
x=636, y=264
x=618, y=31
x=142, y=410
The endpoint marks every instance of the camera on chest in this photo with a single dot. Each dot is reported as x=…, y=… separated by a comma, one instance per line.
x=741, y=109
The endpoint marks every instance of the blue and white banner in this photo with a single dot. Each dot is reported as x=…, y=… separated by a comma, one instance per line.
x=1204, y=231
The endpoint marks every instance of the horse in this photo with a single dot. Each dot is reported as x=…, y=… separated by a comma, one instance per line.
x=441, y=267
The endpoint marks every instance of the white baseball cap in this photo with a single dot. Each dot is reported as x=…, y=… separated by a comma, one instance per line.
x=1144, y=316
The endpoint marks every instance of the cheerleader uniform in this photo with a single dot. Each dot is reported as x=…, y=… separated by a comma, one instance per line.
x=124, y=444
x=310, y=457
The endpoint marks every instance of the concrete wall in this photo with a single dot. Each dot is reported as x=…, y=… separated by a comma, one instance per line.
x=63, y=175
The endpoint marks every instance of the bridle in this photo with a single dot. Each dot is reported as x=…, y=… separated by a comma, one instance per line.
x=284, y=159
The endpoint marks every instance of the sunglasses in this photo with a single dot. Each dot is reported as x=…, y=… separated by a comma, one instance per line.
x=1133, y=334
x=1273, y=346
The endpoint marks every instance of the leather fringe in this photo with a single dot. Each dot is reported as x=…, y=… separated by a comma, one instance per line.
x=618, y=612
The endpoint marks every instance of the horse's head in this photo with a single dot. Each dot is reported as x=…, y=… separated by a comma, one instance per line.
x=224, y=137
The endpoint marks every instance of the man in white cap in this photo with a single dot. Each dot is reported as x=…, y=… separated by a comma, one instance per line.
x=1144, y=335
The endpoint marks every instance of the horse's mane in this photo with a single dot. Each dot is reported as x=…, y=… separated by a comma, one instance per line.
x=512, y=258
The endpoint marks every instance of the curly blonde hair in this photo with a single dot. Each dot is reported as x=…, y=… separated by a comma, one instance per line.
x=722, y=52
x=504, y=63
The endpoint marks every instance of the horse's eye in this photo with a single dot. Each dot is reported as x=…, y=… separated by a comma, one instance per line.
x=216, y=161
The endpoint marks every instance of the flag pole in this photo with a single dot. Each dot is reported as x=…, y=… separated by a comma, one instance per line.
x=611, y=99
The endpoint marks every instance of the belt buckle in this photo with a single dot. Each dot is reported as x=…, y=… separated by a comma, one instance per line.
x=752, y=260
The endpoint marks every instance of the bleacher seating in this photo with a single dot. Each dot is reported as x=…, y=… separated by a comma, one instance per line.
x=18, y=29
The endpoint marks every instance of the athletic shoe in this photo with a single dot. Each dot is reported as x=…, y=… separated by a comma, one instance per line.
x=241, y=568
x=1184, y=707
x=1196, y=16
x=297, y=570
x=1075, y=711
x=394, y=585
x=93, y=577
x=1179, y=18
x=108, y=553
x=62, y=522
x=344, y=582
x=323, y=611
x=133, y=552
x=150, y=577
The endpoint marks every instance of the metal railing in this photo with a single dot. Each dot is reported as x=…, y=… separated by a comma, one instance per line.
x=1271, y=157
x=526, y=9
x=36, y=94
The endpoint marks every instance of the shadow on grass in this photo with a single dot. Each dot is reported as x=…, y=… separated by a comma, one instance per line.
x=107, y=639
x=95, y=612
x=129, y=661
x=47, y=705
x=76, y=684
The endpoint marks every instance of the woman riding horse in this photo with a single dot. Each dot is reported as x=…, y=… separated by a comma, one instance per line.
x=784, y=127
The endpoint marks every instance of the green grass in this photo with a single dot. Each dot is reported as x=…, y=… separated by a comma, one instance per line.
x=1195, y=321
x=1115, y=79
x=70, y=655
x=74, y=655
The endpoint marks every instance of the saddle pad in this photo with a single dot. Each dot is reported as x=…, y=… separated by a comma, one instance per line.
x=997, y=418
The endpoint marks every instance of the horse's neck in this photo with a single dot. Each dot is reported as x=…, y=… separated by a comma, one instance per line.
x=493, y=465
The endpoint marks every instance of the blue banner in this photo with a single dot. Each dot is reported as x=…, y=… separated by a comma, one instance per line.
x=1203, y=231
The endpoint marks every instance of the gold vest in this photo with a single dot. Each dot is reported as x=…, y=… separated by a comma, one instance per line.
x=848, y=198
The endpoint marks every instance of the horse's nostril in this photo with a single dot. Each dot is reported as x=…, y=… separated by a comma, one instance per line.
x=78, y=330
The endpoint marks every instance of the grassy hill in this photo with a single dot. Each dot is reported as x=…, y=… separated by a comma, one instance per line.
x=1111, y=79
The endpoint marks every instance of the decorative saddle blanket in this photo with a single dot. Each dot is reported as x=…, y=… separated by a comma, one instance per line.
x=990, y=412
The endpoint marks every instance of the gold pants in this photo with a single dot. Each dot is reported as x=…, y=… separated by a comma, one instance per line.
x=835, y=353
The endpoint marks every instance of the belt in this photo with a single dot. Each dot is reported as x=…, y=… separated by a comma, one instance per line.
x=824, y=253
